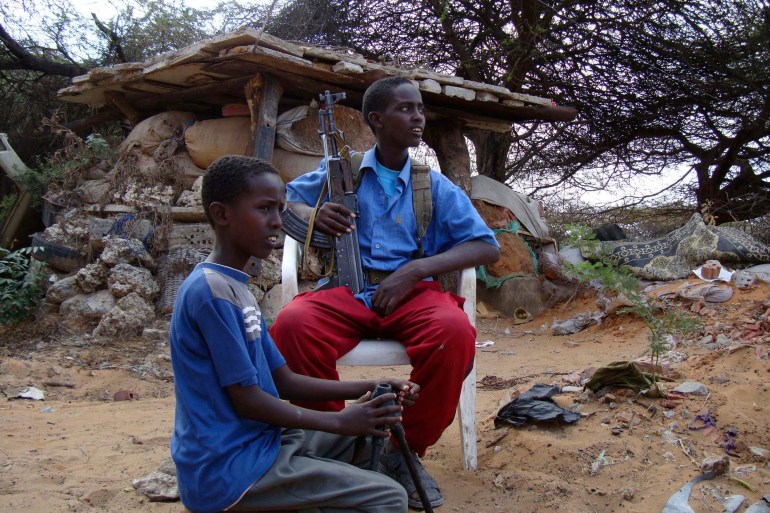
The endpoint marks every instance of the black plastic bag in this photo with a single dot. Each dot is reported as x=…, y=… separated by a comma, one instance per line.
x=534, y=404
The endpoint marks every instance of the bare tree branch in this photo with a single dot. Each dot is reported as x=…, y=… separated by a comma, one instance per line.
x=22, y=59
x=115, y=43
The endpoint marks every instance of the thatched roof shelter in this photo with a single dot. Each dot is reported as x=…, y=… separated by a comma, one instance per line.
x=272, y=75
x=213, y=73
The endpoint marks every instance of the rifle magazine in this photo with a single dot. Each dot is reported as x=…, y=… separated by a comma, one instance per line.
x=297, y=229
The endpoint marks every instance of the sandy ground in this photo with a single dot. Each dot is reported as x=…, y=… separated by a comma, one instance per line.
x=79, y=450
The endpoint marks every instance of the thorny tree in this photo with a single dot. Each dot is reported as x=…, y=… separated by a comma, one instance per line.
x=665, y=87
x=44, y=43
x=662, y=86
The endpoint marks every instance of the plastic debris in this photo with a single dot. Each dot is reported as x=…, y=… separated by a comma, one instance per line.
x=25, y=393
x=762, y=506
x=733, y=502
x=621, y=374
x=598, y=463
x=534, y=404
x=678, y=503
x=157, y=486
x=577, y=323
x=692, y=388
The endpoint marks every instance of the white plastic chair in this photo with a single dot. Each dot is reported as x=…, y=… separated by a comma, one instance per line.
x=381, y=353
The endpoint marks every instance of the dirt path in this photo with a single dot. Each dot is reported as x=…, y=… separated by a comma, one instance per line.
x=80, y=451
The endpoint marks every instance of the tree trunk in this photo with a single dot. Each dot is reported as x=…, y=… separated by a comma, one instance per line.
x=745, y=196
x=491, y=152
x=446, y=138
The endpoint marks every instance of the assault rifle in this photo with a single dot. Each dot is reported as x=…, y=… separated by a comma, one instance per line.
x=345, y=255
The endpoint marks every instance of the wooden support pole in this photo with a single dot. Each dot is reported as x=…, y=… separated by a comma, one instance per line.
x=263, y=92
x=446, y=138
x=119, y=100
x=81, y=126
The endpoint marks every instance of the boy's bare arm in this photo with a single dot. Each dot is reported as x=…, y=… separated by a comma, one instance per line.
x=467, y=254
x=396, y=286
x=365, y=417
x=293, y=386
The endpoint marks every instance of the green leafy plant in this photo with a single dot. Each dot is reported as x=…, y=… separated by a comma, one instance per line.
x=20, y=285
x=6, y=204
x=67, y=165
x=619, y=282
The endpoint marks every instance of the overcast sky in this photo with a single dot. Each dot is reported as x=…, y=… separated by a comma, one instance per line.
x=102, y=8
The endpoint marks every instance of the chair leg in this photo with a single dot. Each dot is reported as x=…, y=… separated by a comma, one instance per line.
x=467, y=415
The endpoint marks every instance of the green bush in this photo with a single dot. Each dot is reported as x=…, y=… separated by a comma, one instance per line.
x=6, y=204
x=620, y=282
x=20, y=285
x=66, y=166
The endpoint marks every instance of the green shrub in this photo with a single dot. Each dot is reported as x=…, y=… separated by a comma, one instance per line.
x=619, y=281
x=6, y=204
x=66, y=166
x=20, y=285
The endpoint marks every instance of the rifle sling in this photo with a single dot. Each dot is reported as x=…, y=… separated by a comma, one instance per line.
x=310, y=231
x=422, y=204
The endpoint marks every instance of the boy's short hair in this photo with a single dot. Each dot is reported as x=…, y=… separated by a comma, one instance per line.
x=227, y=177
x=378, y=94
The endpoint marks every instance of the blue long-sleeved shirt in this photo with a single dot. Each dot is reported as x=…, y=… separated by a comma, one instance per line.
x=387, y=227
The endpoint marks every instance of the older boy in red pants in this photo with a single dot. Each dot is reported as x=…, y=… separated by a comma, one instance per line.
x=319, y=327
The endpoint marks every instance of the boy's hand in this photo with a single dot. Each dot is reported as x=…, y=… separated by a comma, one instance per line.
x=369, y=416
x=408, y=392
x=394, y=289
x=334, y=219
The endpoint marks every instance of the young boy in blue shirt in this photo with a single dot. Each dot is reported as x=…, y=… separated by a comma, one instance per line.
x=236, y=444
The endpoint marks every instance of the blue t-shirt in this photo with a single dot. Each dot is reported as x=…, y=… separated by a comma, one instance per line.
x=219, y=338
x=386, y=226
x=387, y=178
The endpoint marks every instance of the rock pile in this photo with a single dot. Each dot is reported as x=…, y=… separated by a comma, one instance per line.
x=122, y=242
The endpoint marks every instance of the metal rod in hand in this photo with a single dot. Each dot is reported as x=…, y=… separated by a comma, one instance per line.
x=377, y=442
x=398, y=431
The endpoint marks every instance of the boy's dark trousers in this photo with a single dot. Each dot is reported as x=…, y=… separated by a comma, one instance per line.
x=317, y=472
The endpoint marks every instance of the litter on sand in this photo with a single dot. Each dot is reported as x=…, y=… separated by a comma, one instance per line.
x=534, y=404
x=25, y=393
x=679, y=502
x=723, y=274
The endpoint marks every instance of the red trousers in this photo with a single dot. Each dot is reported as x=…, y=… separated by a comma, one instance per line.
x=317, y=328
